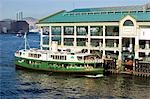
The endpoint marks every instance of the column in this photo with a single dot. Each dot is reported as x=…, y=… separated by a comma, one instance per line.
x=147, y=45
x=115, y=45
x=100, y=44
x=62, y=36
x=136, y=47
x=104, y=27
x=119, y=61
x=50, y=37
x=130, y=45
x=41, y=33
x=89, y=39
x=75, y=36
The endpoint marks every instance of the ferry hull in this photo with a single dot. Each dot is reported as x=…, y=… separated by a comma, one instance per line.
x=51, y=68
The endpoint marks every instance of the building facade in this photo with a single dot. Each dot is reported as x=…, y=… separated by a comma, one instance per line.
x=20, y=26
x=120, y=32
x=5, y=26
x=12, y=26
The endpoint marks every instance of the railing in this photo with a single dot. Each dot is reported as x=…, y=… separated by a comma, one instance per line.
x=92, y=61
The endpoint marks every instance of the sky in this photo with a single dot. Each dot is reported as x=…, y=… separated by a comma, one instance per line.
x=42, y=8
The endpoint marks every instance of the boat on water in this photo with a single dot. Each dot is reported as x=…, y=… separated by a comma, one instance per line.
x=58, y=60
x=19, y=35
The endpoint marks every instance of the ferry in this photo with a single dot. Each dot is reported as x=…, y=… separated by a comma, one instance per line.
x=59, y=60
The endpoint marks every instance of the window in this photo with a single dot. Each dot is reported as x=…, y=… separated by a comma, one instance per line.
x=96, y=30
x=57, y=38
x=82, y=30
x=81, y=41
x=128, y=23
x=56, y=30
x=68, y=41
x=68, y=30
x=46, y=40
x=112, y=31
x=45, y=30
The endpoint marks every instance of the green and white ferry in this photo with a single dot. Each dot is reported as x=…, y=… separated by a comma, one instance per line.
x=59, y=61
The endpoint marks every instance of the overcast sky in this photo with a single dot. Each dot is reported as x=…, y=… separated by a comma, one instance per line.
x=42, y=8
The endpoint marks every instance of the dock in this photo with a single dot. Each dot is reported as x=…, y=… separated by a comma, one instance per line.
x=140, y=68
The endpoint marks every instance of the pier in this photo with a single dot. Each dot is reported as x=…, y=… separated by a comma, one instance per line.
x=139, y=68
x=142, y=68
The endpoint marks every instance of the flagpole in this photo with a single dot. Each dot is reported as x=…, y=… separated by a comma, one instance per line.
x=25, y=41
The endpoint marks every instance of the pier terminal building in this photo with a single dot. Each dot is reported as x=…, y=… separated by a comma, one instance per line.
x=121, y=32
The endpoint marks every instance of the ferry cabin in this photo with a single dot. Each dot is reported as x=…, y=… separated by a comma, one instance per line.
x=35, y=54
x=120, y=32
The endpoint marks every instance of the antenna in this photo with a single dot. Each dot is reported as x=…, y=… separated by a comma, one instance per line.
x=26, y=43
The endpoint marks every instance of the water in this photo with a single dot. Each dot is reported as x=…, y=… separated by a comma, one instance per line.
x=22, y=84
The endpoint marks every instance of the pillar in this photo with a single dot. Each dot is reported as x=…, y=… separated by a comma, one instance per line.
x=100, y=43
x=115, y=45
x=50, y=37
x=89, y=39
x=62, y=36
x=41, y=33
x=130, y=45
x=104, y=27
x=147, y=45
x=119, y=61
x=75, y=36
x=136, y=47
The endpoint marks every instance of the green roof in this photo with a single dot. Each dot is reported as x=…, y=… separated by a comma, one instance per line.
x=104, y=14
x=114, y=9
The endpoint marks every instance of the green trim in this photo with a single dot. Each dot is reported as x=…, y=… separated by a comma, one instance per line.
x=49, y=66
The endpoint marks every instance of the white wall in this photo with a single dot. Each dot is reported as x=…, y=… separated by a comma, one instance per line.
x=144, y=34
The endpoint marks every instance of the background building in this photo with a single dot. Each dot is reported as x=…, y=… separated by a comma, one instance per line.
x=120, y=32
x=20, y=26
x=5, y=26
x=11, y=26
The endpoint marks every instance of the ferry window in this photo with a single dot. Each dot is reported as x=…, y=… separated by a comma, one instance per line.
x=29, y=55
x=35, y=55
x=128, y=23
x=39, y=55
x=79, y=57
x=57, y=57
x=65, y=57
x=62, y=57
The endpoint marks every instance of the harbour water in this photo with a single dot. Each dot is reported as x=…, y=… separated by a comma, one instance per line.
x=23, y=84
